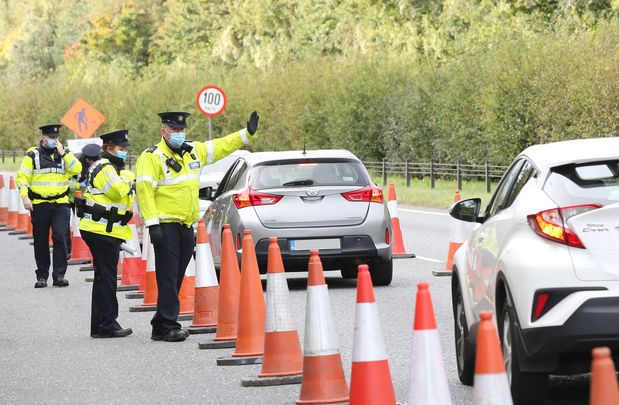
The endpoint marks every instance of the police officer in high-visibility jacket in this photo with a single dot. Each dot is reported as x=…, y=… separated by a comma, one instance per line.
x=168, y=180
x=105, y=214
x=43, y=181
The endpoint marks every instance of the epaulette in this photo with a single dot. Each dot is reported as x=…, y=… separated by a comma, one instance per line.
x=151, y=149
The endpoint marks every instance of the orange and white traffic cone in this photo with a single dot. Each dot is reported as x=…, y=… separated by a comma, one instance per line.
x=13, y=207
x=133, y=265
x=229, y=295
x=186, y=295
x=460, y=231
x=397, y=244
x=22, y=219
x=604, y=388
x=4, y=202
x=250, y=339
x=28, y=234
x=323, y=376
x=428, y=379
x=150, y=290
x=283, y=361
x=370, y=380
x=206, y=297
x=80, y=253
x=491, y=386
x=145, y=252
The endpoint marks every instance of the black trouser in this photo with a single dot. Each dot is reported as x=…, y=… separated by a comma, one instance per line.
x=58, y=217
x=104, y=308
x=171, y=260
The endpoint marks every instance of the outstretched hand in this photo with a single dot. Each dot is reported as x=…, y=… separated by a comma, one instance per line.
x=252, y=124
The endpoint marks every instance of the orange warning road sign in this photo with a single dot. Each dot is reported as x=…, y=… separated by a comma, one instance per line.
x=83, y=119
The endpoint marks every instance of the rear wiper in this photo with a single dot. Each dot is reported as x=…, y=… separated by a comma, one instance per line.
x=304, y=182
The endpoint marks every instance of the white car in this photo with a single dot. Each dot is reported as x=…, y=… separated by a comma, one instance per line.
x=544, y=257
x=211, y=175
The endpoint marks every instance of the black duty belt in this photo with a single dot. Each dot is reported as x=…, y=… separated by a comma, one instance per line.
x=32, y=195
x=98, y=212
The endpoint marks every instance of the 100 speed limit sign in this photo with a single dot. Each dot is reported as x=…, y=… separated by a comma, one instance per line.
x=211, y=101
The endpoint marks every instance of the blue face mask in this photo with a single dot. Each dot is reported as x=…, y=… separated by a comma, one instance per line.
x=177, y=139
x=122, y=154
x=51, y=143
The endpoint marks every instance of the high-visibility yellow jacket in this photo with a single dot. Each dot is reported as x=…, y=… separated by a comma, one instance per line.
x=111, y=188
x=165, y=195
x=47, y=174
x=74, y=187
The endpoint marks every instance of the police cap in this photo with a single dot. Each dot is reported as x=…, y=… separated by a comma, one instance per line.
x=174, y=119
x=92, y=151
x=120, y=138
x=51, y=130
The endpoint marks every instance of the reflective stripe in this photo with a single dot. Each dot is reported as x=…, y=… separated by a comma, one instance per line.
x=120, y=207
x=179, y=179
x=37, y=159
x=147, y=179
x=20, y=186
x=164, y=165
x=72, y=164
x=110, y=183
x=49, y=184
x=150, y=222
x=244, y=136
x=211, y=152
x=49, y=170
x=25, y=170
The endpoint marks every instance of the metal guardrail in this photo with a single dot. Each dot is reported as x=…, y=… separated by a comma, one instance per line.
x=436, y=170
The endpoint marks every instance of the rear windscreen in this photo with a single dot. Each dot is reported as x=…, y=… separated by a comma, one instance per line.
x=296, y=174
x=593, y=182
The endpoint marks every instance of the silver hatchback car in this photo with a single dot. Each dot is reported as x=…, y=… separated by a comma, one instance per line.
x=321, y=200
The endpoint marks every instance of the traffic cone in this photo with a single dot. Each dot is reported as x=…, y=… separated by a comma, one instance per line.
x=150, y=290
x=283, y=361
x=186, y=294
x=323, y=376
x=460, y=231
x=80, y=253
x=397, y=245
x=370, y=380
x=229, y=295
x=145, y=252
x=490, y=385
x=4, y=202
x=133, y=265
x=28, y=234
x=428, y=384
x=604, y=388
x=207, y=289
x=250, y=339
x=13, y=205
x=22, y=219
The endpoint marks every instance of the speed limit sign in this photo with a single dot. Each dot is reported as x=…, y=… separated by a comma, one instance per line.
x=211, y=101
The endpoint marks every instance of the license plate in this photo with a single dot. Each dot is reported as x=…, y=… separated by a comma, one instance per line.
x=309, y=244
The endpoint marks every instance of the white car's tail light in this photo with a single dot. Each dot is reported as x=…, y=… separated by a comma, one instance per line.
x=551, y=224
x=369, y=193
x=249, y=198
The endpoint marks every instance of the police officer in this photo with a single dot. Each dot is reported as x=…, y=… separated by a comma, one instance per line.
x=43, y=181
x=168, y=180
x=105, y=214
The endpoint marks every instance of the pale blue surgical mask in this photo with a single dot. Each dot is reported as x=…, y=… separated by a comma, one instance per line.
x=177, y=139
x=122, y=154
x=51, y=143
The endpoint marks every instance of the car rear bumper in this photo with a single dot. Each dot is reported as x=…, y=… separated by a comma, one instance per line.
x=354, y=250
x=566, y=349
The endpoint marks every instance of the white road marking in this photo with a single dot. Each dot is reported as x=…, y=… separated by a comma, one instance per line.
x=444, y=214
x=429, y=259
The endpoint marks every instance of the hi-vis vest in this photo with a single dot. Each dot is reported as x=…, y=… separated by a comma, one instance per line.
x=46, y=175
x=166, y=195
x=109, y=188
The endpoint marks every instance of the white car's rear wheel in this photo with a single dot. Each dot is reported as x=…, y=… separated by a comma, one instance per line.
x=465, y=356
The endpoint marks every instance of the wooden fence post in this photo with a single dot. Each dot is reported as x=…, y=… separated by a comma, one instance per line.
x=384, y=172
x=459, y=176
x=487, y=175
x=408, y=176
x=432, y=179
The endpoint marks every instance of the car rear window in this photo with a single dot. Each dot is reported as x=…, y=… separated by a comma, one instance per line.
x=299, y=174
x=593, y=182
